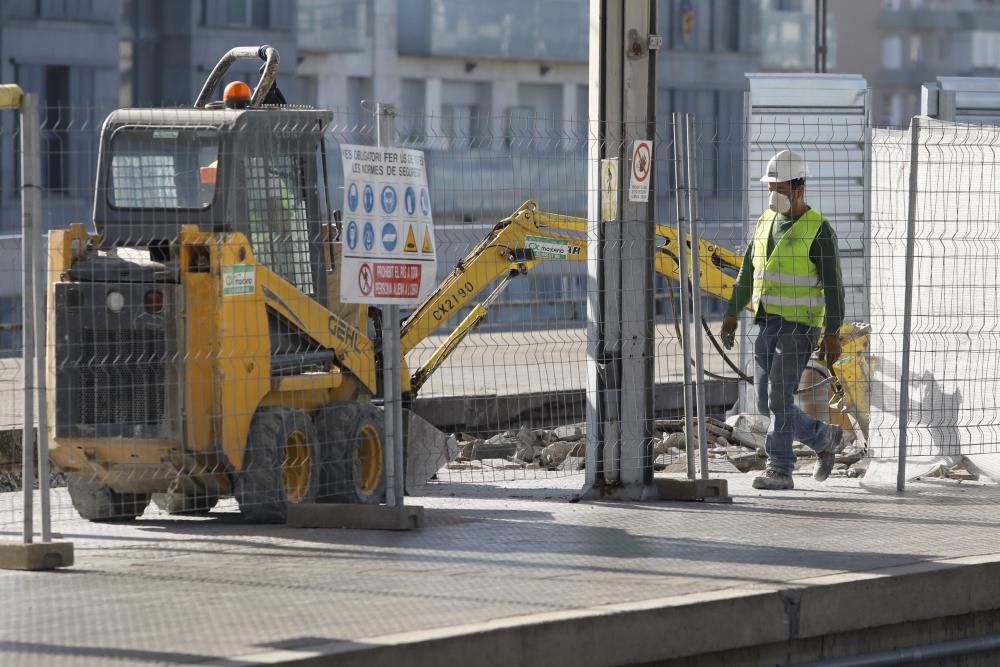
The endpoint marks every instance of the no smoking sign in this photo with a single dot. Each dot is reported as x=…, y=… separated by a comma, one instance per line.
x=642, y=165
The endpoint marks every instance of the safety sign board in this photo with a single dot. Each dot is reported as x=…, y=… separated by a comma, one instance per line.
x=387, y=210
x=609, y=189
x=641, y=166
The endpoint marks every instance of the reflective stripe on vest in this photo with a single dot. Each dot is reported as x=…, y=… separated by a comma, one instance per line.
x=787, y=283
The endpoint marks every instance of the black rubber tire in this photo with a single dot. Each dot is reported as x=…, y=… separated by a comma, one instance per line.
x=179, y=503
x=96, y=501
x=258, y=487
x=340, y=427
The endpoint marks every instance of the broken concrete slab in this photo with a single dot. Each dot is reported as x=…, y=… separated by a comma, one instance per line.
x=554, y=454
x=570, y=432
x=572, y=464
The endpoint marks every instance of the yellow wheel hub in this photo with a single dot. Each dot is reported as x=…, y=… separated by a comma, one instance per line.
x=296, y=469
x=368, y=459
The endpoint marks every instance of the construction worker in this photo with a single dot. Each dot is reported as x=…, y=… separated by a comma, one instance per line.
x=791, y=274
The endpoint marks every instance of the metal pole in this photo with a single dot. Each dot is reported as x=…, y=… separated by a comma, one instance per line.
x=699, y=354
x=826, y=46
x=391, y=387
x=35, y=245
x=904, y=388
x=30, y=207
x=681, y=191
x=820, y=36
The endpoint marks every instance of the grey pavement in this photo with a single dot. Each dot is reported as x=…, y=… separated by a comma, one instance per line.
x=167, y=590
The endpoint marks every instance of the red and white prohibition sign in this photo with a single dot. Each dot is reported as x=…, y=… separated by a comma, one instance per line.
x=642, y=164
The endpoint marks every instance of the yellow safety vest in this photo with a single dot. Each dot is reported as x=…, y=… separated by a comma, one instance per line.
x=787, y=283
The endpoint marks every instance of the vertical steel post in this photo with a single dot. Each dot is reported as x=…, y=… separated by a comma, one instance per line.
x=682, y=259
x=904, y=380
x=620, y=353
x=35, y=244
x=31, y=183
x=699, y=353
x=391, y=368
x=820, y=37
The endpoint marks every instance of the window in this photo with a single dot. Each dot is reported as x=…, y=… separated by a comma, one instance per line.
x=65, y=9
x=236, y=13
x=519, y=128
x=459, y=123
x=55, y=137
x=172, y=168
x=410, y=121
x=10, y=324
x=726, y=25
x=279, y=225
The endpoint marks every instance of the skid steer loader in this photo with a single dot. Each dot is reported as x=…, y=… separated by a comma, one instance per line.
x=197, y=346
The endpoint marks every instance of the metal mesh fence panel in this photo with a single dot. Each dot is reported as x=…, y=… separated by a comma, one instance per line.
x=198, y=349
x=509, y=195
x=934, y=185
x=11, y=365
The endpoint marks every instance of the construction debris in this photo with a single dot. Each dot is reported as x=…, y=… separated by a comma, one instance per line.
x=734, y=445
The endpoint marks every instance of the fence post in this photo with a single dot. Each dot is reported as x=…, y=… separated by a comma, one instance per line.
x=38, y=268
x=904, y=388
x=30, y=194
x=680, y=182
x=28, y=555
x=391, y=386
x=699, y=353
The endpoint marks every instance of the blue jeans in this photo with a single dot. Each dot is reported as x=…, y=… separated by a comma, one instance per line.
x=781, y=353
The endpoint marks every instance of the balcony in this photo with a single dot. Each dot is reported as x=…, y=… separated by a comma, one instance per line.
x=554, y=30
x=333, y=25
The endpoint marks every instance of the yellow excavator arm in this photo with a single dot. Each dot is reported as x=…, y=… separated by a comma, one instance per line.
x=515, y=246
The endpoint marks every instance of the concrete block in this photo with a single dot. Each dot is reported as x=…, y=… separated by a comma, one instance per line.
x=364, y=517
x=707, y=490
x=35, y=556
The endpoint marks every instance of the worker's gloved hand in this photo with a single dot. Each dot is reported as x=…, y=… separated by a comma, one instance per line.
x=829, y=348
x=728, y=332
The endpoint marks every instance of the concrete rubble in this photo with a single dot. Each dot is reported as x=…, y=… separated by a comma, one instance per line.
x=736, y=444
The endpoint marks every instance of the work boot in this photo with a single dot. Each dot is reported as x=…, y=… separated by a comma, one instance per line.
x=824, y=465
x=826, y=458
x=774, y=480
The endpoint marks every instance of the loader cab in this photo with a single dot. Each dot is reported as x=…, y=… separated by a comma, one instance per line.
x=260, y=172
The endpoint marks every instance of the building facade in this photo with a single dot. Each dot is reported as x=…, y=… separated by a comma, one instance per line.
x=924, y=39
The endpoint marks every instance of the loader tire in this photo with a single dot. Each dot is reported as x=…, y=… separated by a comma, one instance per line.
x=280, y=465
x=351, y=440
x=96, y=501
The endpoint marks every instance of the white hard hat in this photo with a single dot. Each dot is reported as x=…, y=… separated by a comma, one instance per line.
x=784, y=166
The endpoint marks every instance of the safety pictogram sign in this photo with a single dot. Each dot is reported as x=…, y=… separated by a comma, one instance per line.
x=365, y=281
x=609, y=189
x=411, y=241
x=386, y=194
x=639, y=171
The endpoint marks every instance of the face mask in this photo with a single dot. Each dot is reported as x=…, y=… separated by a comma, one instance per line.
x=779, y=203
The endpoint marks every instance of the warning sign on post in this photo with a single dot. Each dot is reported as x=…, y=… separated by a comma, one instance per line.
x=609, y=189
x=640, y=168
x=386, y=209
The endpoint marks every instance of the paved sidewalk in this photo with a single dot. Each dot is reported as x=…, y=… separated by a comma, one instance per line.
x=165, y=590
